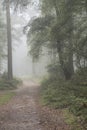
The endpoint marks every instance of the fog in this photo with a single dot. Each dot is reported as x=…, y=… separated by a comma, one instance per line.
x=22, y=61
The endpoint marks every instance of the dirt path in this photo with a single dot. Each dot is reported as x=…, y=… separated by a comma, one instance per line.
x=23, y=113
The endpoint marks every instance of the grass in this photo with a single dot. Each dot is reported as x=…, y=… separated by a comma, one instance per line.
x=6, y=97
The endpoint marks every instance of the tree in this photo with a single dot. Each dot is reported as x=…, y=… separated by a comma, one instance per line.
x=16, y=4
x=2, y=38
x=58, y=34
x=63, y=34
x=9, y=40
x=80, y=46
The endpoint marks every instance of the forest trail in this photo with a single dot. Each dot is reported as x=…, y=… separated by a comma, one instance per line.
x=22, y=112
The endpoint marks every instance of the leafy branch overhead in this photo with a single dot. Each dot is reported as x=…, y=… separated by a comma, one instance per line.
x=60, y=26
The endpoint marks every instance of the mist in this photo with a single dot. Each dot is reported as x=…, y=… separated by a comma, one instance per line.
x=43, y=65
x=22, y=60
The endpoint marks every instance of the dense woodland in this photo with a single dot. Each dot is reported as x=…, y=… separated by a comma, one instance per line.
x=60, y=30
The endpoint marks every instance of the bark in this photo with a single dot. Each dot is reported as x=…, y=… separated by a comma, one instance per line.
x=70, y=58
x=9, y=40
x=33, y=67
x=69, y=68
x=70, y=38
x=86, y=5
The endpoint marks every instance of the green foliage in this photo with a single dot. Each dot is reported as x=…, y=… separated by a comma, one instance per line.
x=79, y=108
x=66, y=33
x=69, y=117
x=80, y=77
x=55, y=93
x=65, y=30
x=71, y=95
x=55, y=71
x=38, y=35
x=6, y=84
x=72, y=120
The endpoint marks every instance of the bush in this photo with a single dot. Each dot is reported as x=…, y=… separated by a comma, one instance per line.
x=79, y=109
x=54, y=93
x=66, y=94
x=5, y=84
x=80, y=77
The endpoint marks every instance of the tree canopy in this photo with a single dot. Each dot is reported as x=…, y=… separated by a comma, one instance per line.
x=61, y=26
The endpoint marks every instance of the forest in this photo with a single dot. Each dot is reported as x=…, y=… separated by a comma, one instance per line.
x=58, y=32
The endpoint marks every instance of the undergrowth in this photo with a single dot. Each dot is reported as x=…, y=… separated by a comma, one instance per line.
x=6, y=84
x=71, y=95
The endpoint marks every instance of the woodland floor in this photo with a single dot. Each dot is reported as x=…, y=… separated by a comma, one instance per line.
x=24, y=112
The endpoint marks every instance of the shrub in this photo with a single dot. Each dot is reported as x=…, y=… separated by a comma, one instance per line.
x=80, y=77
x=66, y=94
x=54, y=93
x=6, y=84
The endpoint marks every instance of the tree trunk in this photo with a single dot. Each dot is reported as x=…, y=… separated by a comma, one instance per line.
x=68, y=69
x=33, y=67
x=64, y=67
x=86, y=5
x=69, y=14
x=70, y=58
x=9, y=40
